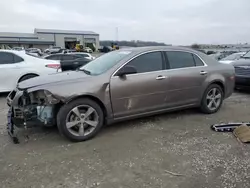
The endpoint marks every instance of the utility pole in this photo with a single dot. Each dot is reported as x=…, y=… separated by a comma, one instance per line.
x=117, y=34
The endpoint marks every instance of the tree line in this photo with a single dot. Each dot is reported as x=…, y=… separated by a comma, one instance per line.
x=133, y=43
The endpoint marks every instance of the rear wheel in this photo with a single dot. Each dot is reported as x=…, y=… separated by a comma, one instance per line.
x=26, y=77
x=80, y=120
x=212, y=99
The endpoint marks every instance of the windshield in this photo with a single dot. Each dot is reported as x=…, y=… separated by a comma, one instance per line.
x=104, y=62
x=247, y=55
x=233, y=56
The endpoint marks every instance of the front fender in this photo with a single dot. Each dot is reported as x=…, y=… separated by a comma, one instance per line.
x=69, y=92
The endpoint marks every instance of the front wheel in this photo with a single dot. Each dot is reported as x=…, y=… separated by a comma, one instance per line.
x=80, y=120
x=212, y=99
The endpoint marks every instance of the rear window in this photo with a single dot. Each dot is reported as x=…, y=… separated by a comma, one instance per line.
x=178, y=59
x=198, y=61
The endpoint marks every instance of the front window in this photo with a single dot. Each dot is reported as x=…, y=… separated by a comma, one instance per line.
x=104, y=62
x=149, y=62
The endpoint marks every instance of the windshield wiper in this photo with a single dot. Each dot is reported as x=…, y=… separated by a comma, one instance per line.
x=85, y=71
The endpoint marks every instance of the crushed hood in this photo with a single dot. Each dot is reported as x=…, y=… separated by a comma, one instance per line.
x=52, y=79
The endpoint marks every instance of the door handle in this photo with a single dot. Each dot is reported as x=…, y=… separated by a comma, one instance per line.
x=160, y=77
x=203, y=73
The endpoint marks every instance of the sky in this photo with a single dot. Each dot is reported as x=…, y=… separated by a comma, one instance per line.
x=178, y=22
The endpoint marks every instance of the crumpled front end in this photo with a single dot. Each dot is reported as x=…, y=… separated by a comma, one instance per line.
x=36, y=108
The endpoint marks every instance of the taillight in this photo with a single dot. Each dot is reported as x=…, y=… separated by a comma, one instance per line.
x=232, y=77
x=53, y=66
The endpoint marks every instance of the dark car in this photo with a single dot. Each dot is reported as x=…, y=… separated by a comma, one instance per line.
x=105, y=49
x=69, y=61
x=242, y=72
x=122, y=85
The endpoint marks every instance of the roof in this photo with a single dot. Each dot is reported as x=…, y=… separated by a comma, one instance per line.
x=151, y=48
x=14, y=52
x=56, y=31
x=18, y=35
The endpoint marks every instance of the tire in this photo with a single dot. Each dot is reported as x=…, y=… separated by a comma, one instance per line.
x=26, y=77
x=205, y=108
x=66, y=112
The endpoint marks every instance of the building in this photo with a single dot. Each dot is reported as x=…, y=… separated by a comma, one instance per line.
x=43, y=38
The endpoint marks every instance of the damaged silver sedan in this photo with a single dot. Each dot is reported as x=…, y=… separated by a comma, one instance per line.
x=120, y=85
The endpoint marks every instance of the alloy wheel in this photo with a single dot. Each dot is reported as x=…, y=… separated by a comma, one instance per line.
x=213, y=99
x=82, y=120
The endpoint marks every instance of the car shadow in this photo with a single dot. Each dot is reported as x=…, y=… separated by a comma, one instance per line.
x=4, y=94
x=140, y=122
x=51, y=135
x=242, y=91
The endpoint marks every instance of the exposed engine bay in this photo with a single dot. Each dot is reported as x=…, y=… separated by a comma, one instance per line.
x=36, y=108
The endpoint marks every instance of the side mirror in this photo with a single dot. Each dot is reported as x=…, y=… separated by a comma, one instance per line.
x=126, y=70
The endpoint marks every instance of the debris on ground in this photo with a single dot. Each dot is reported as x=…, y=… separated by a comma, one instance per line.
x=173, y=174
x=240, y=130
x=242, y=133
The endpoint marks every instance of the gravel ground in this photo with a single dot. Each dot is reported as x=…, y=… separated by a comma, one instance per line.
x=134, y=154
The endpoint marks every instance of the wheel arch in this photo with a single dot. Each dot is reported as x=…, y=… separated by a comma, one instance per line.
x=94, y=98
x=26, y=74
x=219, y=83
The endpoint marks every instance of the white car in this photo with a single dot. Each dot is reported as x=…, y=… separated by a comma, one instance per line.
x=233, y=57
x=53, y=49
x=88, y=50
x=18, y=48
x=17, y=66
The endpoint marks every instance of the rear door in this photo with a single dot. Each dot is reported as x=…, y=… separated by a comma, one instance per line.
x=10, y=70
x=187, y=73
x=141, y=92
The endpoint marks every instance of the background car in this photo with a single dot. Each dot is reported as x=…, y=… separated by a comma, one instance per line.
x=105, y=49
x=125, y=84
x=218, y=56
x=52, y=49
x=69, y=61
x=242, y=72
x=88, y=50
x=34, y=51
x=233, y=57
x=18, y=48
x=17, y=66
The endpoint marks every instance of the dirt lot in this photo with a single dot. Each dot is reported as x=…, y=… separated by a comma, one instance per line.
x=133, y=154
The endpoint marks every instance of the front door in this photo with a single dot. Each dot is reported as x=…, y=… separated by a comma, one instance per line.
x=187, y=73
x=141, y=92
